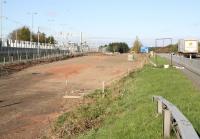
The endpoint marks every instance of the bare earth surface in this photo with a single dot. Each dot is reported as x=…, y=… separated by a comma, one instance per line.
x=32, y=98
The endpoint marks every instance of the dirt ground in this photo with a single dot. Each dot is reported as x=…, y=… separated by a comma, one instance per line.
x=32, y=98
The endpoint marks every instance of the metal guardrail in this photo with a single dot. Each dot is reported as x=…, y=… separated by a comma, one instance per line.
x=174, y=119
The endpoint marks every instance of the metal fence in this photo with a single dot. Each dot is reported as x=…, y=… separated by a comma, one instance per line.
x=16, y=51
x=174, y=119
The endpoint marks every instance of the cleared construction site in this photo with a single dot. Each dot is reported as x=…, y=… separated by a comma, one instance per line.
x=32, y=98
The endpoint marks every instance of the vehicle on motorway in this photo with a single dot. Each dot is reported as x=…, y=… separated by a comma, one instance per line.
x=188, y=47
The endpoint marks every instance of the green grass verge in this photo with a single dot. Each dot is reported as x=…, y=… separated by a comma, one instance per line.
x=159, y=61
x=127, y=110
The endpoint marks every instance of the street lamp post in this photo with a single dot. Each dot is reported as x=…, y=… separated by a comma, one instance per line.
x=38, y=49
x=16, y=32
x=32, y=22
x=81, y=41
x=1, y=17
x=1, y=6
x=50, y=21
x=51, y=27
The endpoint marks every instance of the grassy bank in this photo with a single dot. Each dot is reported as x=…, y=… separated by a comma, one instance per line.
x=126, y=109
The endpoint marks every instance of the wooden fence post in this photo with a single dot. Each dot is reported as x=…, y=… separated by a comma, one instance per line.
x=159, y=107
x=103, y=86
x=166, y=124
x=66, y=82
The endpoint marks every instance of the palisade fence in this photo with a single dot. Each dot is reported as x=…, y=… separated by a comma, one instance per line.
x=15, y=51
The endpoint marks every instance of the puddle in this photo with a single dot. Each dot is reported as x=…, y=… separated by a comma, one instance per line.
x=36, y=73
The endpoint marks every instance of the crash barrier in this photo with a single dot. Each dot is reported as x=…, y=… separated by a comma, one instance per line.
x=174, y=119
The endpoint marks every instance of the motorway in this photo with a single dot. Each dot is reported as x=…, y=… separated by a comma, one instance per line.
x=191, y=67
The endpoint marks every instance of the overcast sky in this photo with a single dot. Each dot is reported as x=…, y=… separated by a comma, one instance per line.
x=108, y=20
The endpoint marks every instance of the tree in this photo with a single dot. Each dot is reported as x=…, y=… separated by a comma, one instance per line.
x=120, y=47
x=51, y=40
x=167, y=49
x=22, y=33
x=173, y=48
x=42, y=38
x=136, y=45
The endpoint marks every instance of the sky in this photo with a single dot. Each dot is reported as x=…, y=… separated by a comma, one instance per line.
x=103, y=21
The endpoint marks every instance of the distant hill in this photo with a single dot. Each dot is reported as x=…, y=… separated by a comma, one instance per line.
x=167, y=49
